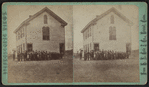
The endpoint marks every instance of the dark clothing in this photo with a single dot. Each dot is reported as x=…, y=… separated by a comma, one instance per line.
x=80, y=56
x=13, y=56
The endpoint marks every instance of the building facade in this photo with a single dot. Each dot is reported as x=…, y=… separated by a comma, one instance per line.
x=43, y=31
x=108, y=31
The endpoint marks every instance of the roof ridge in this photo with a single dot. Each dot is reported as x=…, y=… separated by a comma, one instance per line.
x=38, y=13
x=104, y=14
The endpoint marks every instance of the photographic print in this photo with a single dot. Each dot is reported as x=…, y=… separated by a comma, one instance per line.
x=39, y=44
x=74, y=43
x=106, y=43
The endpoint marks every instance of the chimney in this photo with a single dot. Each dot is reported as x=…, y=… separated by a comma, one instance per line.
x=30, y=16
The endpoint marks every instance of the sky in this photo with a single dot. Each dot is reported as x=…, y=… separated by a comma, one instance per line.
x=83, y=14
x=16, y=14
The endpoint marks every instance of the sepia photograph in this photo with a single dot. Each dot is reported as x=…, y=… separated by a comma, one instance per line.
x=106, y=43
x=40, y=43
x=74, y=43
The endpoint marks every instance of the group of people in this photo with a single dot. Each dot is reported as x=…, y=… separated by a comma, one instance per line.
x=104, y=55
x=36, y=55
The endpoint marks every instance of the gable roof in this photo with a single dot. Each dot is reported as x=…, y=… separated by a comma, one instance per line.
x=40, y=12
x=103, y=15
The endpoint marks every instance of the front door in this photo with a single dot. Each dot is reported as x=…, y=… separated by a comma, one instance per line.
x=62, y=48
x=96, y=46
x=29, y=47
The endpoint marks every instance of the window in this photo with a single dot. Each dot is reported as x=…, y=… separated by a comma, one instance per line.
x=87, y=33
x=18, y=35
x=112, y=33
x=45, y=19
x=45, y=31
x=23, y=32
x=112, y=19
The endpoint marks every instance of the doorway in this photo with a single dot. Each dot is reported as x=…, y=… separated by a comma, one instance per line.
x=29, y=47
x=96, y=46
x=62, y=48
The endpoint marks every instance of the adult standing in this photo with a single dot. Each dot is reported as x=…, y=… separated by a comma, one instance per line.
x=13, y=55
x=80, y=54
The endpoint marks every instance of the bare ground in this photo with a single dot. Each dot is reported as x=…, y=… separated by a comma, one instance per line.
x=50, y=71
x=124, y=70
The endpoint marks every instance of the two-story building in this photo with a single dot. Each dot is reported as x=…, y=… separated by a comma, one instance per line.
x=43, y=31
x=108, y=31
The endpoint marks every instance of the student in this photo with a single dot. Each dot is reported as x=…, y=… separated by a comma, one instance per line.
x=25, y=55
x=80, y=54
x=13, y=55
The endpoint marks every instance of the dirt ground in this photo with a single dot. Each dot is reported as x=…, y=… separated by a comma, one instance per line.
x=63, y=71
x=40, y=71
x=124, y=70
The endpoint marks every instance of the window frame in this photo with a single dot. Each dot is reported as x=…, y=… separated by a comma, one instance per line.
x=45, y=19
x=112, y=33
x=112, y=19
x=45, y=36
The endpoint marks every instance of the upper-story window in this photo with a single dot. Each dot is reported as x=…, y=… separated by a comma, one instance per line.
x=90, y=31
x=22, y=32
x=46, y=33
x=112, y=33
x=18, y=35
x=112, y=19
x=45, y=19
